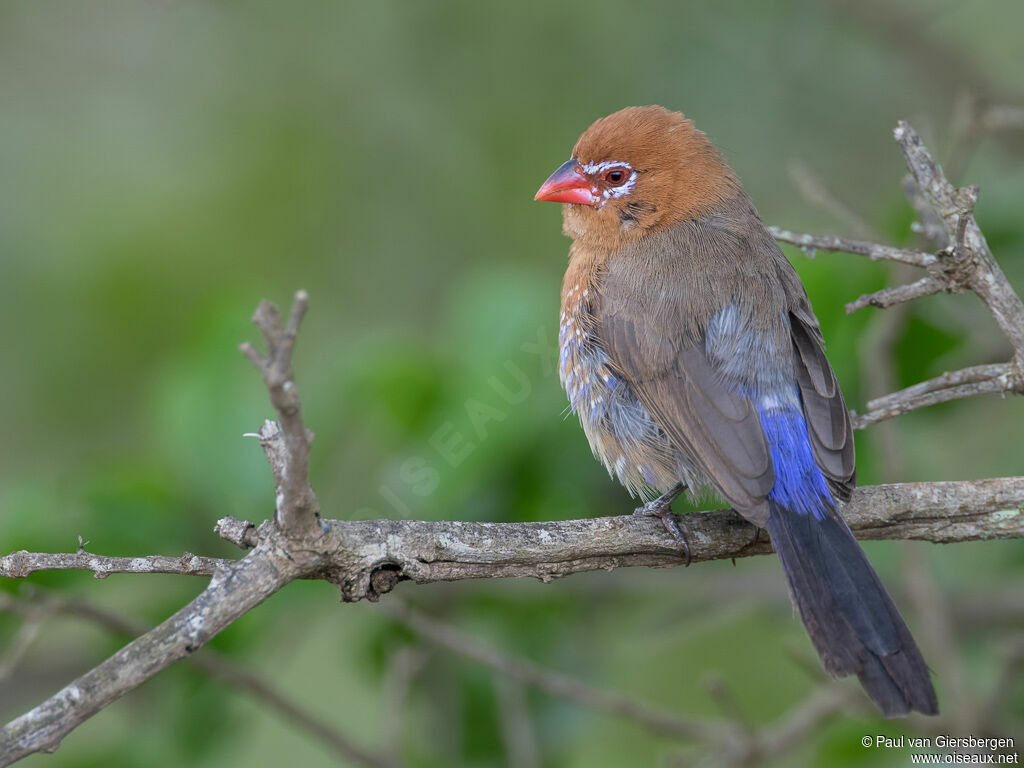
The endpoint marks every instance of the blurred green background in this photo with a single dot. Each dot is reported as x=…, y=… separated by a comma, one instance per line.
x=163, y=166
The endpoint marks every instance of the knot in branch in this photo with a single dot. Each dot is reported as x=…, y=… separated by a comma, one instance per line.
x=382, y=580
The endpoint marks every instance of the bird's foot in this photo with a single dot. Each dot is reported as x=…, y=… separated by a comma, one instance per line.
x=661, y=508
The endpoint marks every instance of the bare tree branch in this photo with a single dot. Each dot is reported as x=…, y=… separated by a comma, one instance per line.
x=967, y=709
x=970, y=249
x=885, y=298
x=979, y=380
x=18, y=565
x=367, y=558
x=873, y=251
x=233, y=591
x=217, y=665
x=297, y=505
x=965, y=262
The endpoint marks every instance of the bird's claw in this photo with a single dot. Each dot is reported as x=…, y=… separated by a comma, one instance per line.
x=663, y=510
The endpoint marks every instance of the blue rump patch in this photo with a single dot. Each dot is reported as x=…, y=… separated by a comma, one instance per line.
x=799, y=483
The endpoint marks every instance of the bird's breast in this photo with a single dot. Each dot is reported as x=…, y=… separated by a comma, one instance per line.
x=621, y=432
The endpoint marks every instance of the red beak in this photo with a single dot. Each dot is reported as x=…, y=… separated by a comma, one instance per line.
x=567, y=185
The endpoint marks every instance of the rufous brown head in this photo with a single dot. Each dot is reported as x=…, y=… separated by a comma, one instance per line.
x=638, y=169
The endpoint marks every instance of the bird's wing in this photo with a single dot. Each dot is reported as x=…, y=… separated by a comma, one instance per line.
x=828, y=420
x=718, y=430
x=655, y=332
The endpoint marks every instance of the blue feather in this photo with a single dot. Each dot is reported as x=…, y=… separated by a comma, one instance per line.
x=800, y=485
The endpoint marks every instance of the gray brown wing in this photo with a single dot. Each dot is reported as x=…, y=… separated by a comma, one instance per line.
x=719, y=431
x=828, y=419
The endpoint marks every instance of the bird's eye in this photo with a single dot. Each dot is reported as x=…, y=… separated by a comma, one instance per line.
x=616, y=176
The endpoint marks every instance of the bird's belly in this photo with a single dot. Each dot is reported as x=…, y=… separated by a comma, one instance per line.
x=622, y=433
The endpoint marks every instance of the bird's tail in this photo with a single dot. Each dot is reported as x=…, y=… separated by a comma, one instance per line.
x=850, y=617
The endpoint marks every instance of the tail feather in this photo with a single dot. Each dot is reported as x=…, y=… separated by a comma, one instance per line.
x=849, y=616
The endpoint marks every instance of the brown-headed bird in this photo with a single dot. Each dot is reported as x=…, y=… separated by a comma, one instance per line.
x=690, y=353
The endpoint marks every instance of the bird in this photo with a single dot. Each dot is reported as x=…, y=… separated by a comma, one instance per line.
x=691, y=355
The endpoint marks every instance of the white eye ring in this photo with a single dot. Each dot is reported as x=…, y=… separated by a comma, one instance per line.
x=612, y=189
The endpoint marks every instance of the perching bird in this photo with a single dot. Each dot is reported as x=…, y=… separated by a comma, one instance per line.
x=690, y=353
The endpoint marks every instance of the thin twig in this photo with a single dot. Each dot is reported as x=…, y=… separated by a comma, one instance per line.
x=21, y=643
x=793, y=728
x=961, y=707
x=18, y=565
x=817, y=192
x=286, y=551
x=978, y=380
x=977, y=374
x=1003, y=118
x=548, y=680
x=729, y=705
x=517, y=732
x=404, y=667
x=288, y=442
x=873, y=251
x=887, y=297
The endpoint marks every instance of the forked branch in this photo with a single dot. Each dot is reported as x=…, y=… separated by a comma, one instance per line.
x=964, y=262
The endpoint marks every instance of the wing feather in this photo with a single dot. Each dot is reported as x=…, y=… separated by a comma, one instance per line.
x=718, y=430
x=828, y=419
x=652, y=312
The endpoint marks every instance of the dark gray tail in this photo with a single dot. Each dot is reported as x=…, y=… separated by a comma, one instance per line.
x=850, y=617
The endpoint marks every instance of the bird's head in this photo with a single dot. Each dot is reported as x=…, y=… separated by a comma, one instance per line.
x=637, y=170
